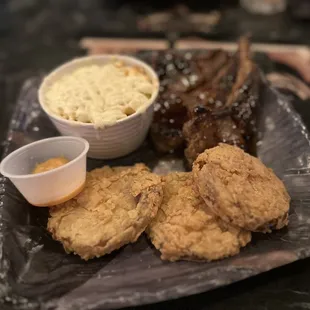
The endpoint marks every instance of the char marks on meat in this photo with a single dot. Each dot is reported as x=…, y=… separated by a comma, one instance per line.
x=205, y=99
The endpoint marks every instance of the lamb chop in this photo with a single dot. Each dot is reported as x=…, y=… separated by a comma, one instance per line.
x=227, y=111
x=180, y=75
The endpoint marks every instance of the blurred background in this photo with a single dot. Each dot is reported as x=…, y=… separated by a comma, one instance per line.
x=29, y=26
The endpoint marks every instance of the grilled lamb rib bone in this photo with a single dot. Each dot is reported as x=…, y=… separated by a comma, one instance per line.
x=227, y=110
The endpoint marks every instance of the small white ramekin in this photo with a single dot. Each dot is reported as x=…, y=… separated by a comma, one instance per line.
x=51, y=187
x=113, y=141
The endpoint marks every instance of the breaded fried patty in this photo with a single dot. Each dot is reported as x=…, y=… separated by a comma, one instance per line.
x=114, y=209
x=240, y=189
x=185, y=228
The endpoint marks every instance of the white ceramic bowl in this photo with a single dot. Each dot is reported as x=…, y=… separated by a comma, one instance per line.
x=51, y=187
x=112, y=141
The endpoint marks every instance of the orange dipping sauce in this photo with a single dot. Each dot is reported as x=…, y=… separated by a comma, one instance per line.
x=50, y=164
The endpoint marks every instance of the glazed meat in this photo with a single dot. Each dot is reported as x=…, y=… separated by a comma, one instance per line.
x=206, y=129
x=227, y=113
x=206, y=99
x=233, y=125
x=180, y=74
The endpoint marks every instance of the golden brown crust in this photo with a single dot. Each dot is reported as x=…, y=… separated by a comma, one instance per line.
x=185, y=228
x=114, y=209
x=240, y=189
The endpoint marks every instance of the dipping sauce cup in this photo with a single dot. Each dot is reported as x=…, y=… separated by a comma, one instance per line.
x=54, y=186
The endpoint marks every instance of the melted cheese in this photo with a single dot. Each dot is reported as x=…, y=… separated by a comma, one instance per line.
x=101, y=95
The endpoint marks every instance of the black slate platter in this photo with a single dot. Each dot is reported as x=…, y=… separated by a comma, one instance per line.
x=36, y=273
